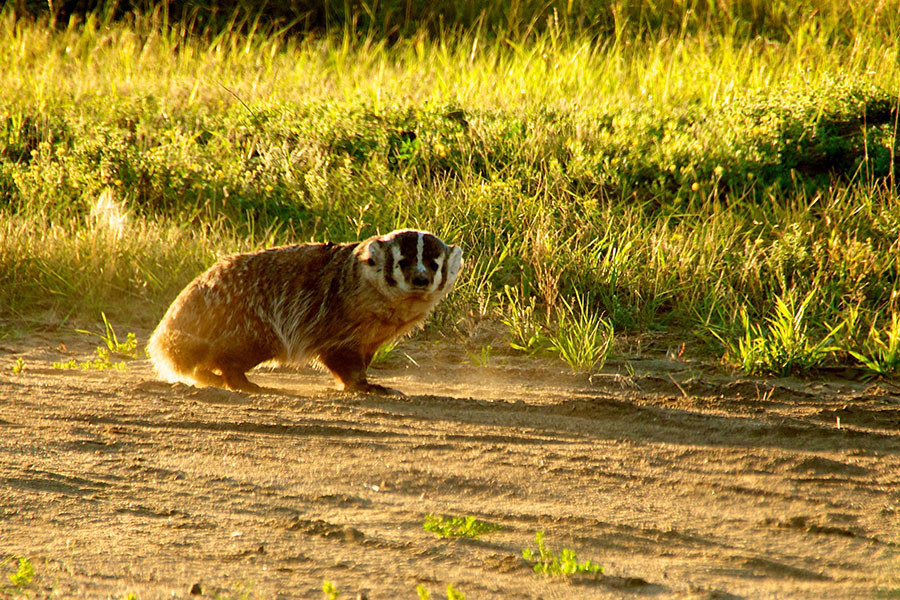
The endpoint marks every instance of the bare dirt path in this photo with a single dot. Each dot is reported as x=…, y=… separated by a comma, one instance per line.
x=680, y=483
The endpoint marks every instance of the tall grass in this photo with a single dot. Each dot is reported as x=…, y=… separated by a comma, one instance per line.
x=675, y=167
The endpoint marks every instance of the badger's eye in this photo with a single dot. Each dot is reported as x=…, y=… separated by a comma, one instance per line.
x=371, y=262
x=404, y=262
x=432, y=265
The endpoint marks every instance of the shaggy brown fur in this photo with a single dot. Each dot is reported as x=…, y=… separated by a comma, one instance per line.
x=334, y=304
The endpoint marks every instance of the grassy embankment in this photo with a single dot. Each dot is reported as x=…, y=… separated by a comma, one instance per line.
x=691, y=177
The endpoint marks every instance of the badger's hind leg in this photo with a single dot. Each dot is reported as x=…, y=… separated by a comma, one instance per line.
x=349, y=367
x=237, y=380
x=230, y=359
x=204, y=376
x=231, y=379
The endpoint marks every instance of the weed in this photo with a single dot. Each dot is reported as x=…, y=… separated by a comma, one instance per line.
x=784, y=346
x=468, y=527
x=25, y=573
x=881, y=355
x=454, y=594
x=481, y=358
x=101, y=363
x=129, y=348
x=331, y=592
x=383, y=354
x=21, y=579
x=547, y=562
x=19, y=367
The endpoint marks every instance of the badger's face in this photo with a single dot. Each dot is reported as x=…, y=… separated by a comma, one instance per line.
x=411, y=262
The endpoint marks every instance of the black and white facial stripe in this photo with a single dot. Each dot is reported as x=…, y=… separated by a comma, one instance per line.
x=409, y=261
x=415, y=261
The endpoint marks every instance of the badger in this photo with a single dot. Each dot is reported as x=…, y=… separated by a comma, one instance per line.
x=332, y=305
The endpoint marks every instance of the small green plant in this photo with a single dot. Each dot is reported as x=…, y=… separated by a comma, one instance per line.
x=384, y=353
x=468, y=527
x=331, y=592
x=480, y=359
x=101, y=363
x=546, y=562
x=881, y=355
x=130, y=596
x=19, y=367
x=582, y=339
x=21, y=579
x=127, y=348
x=784, y=345
x=111, y=345
x=453, y=594
x=24, y=574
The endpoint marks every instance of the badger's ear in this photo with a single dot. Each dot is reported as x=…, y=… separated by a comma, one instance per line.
x=372, y=252
x=454, y=264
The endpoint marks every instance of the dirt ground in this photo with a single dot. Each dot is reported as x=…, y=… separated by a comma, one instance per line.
x=681, y=482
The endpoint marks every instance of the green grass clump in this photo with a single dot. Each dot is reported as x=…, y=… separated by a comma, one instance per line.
x=579, y=336
x=880, y=353
x=452, y=593
x=24, y=574
x=582, y=339
x=468, y=526
x=784, y=345
x=547, y=562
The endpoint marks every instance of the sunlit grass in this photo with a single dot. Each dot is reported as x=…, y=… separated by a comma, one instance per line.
x=668, y=170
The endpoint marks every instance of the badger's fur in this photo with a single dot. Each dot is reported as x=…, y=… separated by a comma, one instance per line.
x=331, y=304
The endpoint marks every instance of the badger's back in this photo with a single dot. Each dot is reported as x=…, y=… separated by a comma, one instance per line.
x=276, y=304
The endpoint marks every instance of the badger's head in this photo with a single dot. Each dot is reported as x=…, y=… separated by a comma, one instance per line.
x=410, y=262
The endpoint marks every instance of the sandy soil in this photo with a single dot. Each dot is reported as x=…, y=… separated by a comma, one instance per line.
x=681, y=482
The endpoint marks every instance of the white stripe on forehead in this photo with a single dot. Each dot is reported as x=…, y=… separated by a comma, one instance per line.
x=420, y=250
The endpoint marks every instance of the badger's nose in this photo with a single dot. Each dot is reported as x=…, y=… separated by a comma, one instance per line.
x=420, y=281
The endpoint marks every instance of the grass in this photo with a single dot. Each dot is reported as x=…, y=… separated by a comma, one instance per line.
x=880, y=353
x=452, y=593
x=660, y=171
x=782, y=346
x=582, y=338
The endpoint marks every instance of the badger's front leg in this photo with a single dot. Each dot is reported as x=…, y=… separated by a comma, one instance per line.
x=349, y=367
